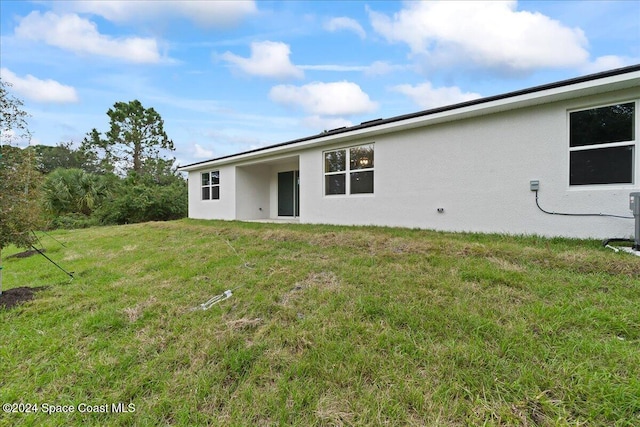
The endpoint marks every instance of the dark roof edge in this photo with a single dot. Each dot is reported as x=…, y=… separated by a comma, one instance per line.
x=378, y=122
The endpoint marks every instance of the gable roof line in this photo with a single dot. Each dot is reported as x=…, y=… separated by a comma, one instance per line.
x=429, y=112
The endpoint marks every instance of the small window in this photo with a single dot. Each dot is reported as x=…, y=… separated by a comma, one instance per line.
x=349, y=171
x=211, y=185
x=602, y=145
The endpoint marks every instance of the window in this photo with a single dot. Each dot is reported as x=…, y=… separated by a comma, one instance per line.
x=211, y=185
x=602, y=145
x=349, y=170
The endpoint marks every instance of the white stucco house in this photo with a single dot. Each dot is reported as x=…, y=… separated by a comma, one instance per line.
x=472, y=166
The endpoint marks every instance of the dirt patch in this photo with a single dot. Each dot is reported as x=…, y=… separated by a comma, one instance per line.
x=15, y=296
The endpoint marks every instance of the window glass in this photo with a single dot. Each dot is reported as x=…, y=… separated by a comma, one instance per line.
x=335, y=184
x=592, y=163
x=354, y=162
x=602, y=125
x=361, y=157
x=361, y=182
x=335, y=161
x=602, y=166
x=211, y=185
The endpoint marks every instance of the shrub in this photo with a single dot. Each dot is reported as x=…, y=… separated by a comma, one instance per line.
x=139, y=200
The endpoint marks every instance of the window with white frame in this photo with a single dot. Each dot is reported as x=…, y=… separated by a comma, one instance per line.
x=211, y=185
x=602, y=145
x=349, y=170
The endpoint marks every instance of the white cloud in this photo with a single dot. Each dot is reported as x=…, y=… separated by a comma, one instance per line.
x=426, y=96
x=608, y=62
x=79, y=35
x=334, y=67
x=319, y=123
x=203, y=13
x=324, y=99
x=40, y=90
x=377, y=68
x=201, y=153
x=7, y=136
x=10, y=137
x=268, y=59
x=344, y=23
x=485, y=33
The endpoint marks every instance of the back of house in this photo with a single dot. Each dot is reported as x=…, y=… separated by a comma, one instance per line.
x=509, y=164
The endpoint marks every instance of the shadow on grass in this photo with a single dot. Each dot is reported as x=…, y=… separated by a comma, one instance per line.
x=25, y=254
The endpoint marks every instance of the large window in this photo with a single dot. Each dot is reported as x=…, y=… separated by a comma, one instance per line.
x=602, y=145
x=211, y=185
x=349, y=170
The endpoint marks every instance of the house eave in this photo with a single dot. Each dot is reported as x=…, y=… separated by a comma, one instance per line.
x=594, y=84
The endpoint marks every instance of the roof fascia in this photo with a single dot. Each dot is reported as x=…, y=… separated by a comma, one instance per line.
x=484, y=106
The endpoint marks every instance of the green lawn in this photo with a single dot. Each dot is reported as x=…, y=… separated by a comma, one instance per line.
x=329, y=326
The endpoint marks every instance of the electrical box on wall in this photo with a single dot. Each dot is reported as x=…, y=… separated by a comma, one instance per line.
x=534, y=185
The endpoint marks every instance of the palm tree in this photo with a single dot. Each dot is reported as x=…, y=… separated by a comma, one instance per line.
x=73, y=191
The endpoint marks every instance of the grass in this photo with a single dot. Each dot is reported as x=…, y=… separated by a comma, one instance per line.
x=328, y=326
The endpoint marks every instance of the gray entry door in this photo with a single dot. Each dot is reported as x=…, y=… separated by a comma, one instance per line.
x=288, y=193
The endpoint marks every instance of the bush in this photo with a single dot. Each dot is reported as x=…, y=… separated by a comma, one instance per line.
x=74, y=198
x=138, y=200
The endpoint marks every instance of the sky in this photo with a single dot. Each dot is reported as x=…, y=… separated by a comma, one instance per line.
x=231, y=76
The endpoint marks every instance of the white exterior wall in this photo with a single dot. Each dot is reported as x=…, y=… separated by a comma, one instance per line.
x=478, y=170
x=225, y=207
x=252, y=192
x=247, y=192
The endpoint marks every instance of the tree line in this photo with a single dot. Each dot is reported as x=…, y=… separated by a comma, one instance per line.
x=118, y=176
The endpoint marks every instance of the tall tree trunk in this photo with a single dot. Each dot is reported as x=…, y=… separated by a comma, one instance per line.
x=137, y=157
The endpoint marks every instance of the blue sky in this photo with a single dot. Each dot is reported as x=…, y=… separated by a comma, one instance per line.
x=229, y=76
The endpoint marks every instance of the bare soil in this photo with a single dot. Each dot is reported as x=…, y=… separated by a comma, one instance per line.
x=14, y=296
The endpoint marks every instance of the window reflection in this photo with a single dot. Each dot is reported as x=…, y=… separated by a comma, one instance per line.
x=603, y=125
x=335, y=161
x=361, y=157
x=335, y=184
x=340, y=163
